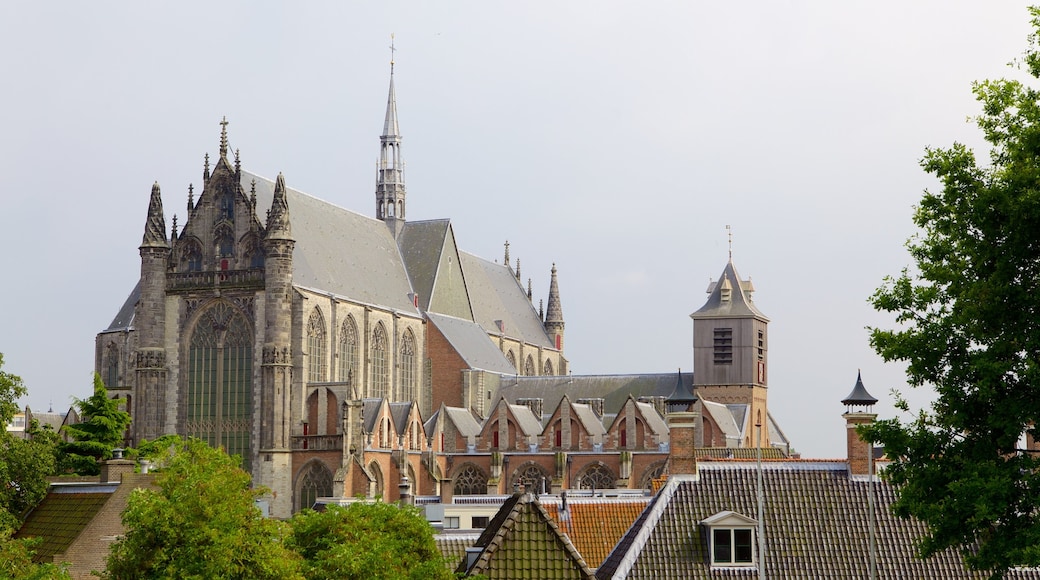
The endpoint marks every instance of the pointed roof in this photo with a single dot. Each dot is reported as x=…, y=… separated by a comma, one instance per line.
x=472, y=343
x=390, y=128
x=554, y=310
x=730, y=297
x=495, y=294
x=278, y=227
x=859, y=397
x=155, y=226
x=523, y=539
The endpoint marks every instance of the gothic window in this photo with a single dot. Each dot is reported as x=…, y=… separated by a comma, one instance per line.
x=653, y=472
x=316, y=351
x=470, y=481
x=254, y=253
x=377, y=479
x=219, y=396
x=315, y=482
x=529, y=367
x=406, y=391
x=532, y=475
x=111, y=376
x=380, y=367
x=547, y=370
x=225, y=242
x=227, y=207
x=596, y=476
x=193, y=256
x=348, y=350
x=512, y=359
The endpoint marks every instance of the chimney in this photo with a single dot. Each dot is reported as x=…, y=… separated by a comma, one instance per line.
x=595, y=403
x=858, y=411
x=113, y=469
x=682, y=420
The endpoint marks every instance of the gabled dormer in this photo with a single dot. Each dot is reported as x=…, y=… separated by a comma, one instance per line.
x=638, y=427
x=731, y=540
x=510, y=428
x=573, y=427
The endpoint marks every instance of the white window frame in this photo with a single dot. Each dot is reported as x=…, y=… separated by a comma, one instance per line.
x=728, y=523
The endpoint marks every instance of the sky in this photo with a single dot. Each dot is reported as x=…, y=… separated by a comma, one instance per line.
x=617, y=140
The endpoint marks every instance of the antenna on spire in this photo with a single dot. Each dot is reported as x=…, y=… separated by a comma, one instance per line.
x=729, y=234
x=392, y=51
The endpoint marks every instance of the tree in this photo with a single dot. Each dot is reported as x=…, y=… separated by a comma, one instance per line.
x=968, y=318
x=366, y=541
x=102, y=430
x=201, y=522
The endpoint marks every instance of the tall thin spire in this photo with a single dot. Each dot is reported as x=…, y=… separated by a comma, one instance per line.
x=223, y=137
x=155, y=225
x=390, y=189
x=278, y=226
x=729, y=234
x=554, y=312
x=506, y=259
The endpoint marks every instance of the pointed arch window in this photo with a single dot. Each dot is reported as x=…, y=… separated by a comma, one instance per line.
x=529, y=369
x=316, y=349
x=512, y=359
x=532, y=475
x=193, y=256
x=227, y=207
x=470, y=481
x=597, y=476
x=224, y=240
x=111, y=377
x=406, y=390
x=219, y=394
x=547, y=369
x=380, y=366
x=348, y=350
x=315, y=482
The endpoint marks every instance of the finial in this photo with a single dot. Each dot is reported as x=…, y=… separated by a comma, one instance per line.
x=173, y=230
x=729, y=234
x=518, y=269
x=529, y=292
x=238, y=164
x=252, y=194
x=223, y=137
x=392, y=51
x=205, y=170
x=506, y=260
x=541, y=311
x=191, y=198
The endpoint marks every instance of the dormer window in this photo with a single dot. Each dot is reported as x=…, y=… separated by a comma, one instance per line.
x=731, y=540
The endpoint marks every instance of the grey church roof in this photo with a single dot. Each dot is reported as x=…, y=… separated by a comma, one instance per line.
x=124, y=319
x=613, y=389
x=496, y=295
x=340, y=251
x=421, y=244
x=471, y=343
x=739, y=303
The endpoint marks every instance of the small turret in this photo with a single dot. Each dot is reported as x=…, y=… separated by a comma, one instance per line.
x=858, y=411
x=278, y=227
x=155, y=226
x=554, y=312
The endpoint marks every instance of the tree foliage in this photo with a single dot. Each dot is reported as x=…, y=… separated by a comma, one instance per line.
x=201, y=522
x=367, y=541
x=102, y=429
x=968, y=317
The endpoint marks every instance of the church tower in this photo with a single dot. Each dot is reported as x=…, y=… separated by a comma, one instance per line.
x=390, y=191
x=149, y=399
x=277, y=370
x=554, y=312
x=730, y=350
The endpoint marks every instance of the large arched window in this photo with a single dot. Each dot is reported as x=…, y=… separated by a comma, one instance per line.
x=380, y=366
x=315, y=481
x=470, y=480
x=348, y=351
x=512, y=359
x=224, y=240
x=316, y=351
x=219, y=396
x=547, y=368
x=406, y=389
x=533, y=476
x=529, y=369
x=111, y=366
x=192, y=254
x=653, y=472
x=596, y=476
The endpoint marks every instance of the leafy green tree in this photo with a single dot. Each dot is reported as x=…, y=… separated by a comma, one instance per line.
x=367, y=541
x=102, y=430
x=16, y=561
x=968, y=318
x=201, y=523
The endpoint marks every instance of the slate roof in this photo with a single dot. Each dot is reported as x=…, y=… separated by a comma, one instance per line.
x=124, y=319
x=61, y=517
x=525, y=418
x=815, y=527
x=421, y=244
x=613, y=389
x=340, y=251
x=495, y=294
x=588, y=418
x=724, y=419
x=472, y=343
x=739, y=304
x=370, y=410
x=522, y=541
x=595, y=525
x=399, y=412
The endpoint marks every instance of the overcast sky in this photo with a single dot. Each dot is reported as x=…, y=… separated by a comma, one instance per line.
x=616, y=139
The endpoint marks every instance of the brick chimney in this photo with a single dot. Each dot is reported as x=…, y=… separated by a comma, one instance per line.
x=858, y=411
x=113, y=469
x=682, y=417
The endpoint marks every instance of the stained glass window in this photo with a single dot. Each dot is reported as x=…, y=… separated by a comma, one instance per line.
x=316, y=352
x=380, y=368
x=406, y=390
x=219, y=397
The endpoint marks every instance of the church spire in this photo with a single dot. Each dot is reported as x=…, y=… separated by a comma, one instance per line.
x=278, y=227
x=554, y=312
x=155, y=226
x=390, y=190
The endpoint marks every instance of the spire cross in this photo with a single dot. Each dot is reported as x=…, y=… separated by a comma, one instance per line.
x=223, y=136
x=392, y=51
x=729, y=233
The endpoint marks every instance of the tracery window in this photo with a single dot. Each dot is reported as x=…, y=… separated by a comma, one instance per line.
x=227, y=207
x=512, y=359
x=547, y=370
x=380, y=368
x=315, y=482
x=529, y=367
x=348, y=350
x=219, y=395
x=225, y=242
x=532, y=475
x=111, y=377
x=470, y=481
x=316, y=351
x=193, y=256
x=653, y=472
x=406, y=390
x=597, y=476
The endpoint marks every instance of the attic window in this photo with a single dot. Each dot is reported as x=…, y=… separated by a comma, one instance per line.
x=731, y=539
x=723, y=346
